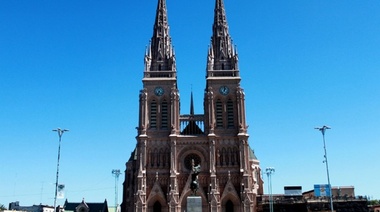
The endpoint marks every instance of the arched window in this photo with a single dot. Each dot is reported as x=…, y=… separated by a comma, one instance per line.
x=227, y=157
x=232, y=156
x=157, y=207
x=157, y=157
x=151, y=158
x=154, y=157
x=162, y=158
x=219, y=113
x=237, y=155
x=164, y=115
x=167, y=153
x=153, y=114
x=229, y=206
x=148, y=158
x=223, y=157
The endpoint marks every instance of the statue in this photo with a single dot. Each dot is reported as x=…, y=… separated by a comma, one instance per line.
x=194, y=177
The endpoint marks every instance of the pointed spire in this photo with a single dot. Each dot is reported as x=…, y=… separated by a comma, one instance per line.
x=191, y=103
x=161, y=26
x=220, y=18
x=160, y=48
x=222, y=50
x=192, y=127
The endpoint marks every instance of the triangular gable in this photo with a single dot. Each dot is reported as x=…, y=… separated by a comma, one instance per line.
x=229, y=189
x=156, y=191
x=229, y=193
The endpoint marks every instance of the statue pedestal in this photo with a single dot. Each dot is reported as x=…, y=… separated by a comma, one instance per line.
x=194, y=204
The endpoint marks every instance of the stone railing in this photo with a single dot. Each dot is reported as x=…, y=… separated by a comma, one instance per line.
x=223, y=73
x=160, y=74
x=192, y=124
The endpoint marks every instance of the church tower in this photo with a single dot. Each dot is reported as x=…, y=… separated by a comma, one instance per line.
x=159, y=103
x=157, y=176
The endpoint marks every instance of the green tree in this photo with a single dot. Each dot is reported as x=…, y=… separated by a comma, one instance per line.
x=374, y=202
x=2, y=207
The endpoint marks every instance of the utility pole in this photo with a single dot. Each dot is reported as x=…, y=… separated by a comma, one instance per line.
x=323, y=130
x=269, y=171
x=116, y=173
x=60, y=133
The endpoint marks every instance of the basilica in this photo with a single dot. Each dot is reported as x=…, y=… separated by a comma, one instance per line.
x=169, y=144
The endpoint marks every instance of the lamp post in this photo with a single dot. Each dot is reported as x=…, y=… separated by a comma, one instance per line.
x=116, y=173
x=60, y=133
x=269, y=171
x=323, y=130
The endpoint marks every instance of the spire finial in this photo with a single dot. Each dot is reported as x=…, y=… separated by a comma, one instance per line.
x=191, y=102
x=161, y=48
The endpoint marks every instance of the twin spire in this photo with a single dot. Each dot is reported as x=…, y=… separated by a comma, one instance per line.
x=160, y=56
x=222, y=55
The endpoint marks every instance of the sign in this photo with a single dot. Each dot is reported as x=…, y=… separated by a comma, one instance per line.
x=322, y=190
x=61, y=191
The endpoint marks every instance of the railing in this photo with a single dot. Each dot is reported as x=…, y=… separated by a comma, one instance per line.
x=223, y=73
x=192, y=124
x=160, y=74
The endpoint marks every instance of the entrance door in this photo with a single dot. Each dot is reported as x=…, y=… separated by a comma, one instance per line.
x=157, y=207
x=229, y=206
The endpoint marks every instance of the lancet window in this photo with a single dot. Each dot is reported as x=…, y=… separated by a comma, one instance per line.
x=219, y=113
x=230, y=114
x=153, y=114
x=164, y=115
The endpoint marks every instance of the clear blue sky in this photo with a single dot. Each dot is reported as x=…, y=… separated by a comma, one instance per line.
x=79, y=64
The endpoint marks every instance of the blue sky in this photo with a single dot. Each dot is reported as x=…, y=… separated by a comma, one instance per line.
x=79, y=64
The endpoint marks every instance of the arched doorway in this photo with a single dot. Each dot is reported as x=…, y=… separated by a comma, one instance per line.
x=157, y=207
x=229, y=206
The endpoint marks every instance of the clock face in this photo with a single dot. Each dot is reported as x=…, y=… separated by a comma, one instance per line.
x=158, y=91
x=224, y=90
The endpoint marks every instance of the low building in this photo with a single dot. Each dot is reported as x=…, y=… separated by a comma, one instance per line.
x=344, y=199
x=85, y=207
x=337, y=192
x=15, y=206
x=374, y=208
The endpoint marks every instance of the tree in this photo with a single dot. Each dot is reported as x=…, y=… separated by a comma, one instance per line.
x=374, y=202
x=2, y=207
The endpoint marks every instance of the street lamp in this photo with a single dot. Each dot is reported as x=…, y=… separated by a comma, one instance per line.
x=116, y=173
x=60, y=133
x=323, y=130
x=269, y=171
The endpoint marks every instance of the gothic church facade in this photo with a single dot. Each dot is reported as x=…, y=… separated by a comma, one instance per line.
x=157, y=176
